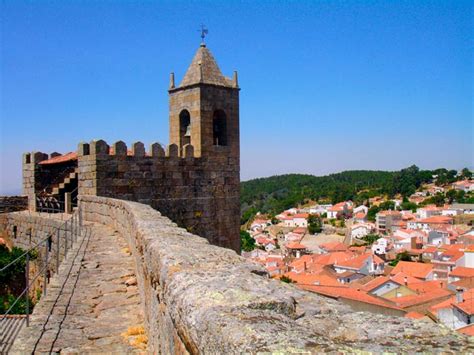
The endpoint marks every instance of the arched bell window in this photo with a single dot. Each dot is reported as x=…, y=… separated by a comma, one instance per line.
x=219, y=128
x=185, y=127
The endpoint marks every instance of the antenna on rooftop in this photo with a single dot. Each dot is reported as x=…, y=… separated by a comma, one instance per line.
x=204, y=31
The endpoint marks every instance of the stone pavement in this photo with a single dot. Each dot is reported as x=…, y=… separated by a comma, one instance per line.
x=90, y=304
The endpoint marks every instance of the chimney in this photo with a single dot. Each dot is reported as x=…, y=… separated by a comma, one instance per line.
x=172, y=81
x=459, y=295
x=304, y=266
x=405, y=279
x=399, y=294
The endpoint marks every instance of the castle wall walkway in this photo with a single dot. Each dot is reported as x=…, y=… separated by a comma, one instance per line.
x=89, y=304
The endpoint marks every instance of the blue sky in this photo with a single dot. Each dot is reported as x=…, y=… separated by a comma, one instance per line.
x=326, y=85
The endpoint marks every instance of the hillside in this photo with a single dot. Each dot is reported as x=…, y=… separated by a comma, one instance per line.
x=276, y=193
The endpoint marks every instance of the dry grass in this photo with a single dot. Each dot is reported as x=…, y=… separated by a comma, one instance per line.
x=136, y=330
x=140, y=341
x=136, y=337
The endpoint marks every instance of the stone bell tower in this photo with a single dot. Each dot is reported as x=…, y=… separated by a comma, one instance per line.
x=204, y=109
x=204, y=113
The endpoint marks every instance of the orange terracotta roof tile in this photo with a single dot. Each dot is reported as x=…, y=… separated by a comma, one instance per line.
x=331, y=258
x=334, y=246
x=416, y=299
x=357, y=262
x=349, y=293
x=401, y=278
x=72, y=156
x=313, y=279
x=295, y=246
x=414, y=315
x=426, y=286
x=418, y=270
x=467, y=330
x=437, y=220
x=373, y=284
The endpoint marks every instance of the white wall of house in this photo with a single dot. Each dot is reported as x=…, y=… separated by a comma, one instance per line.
x=300, y=222
x=451, y=212
x=380, y=246
x=468, y=258
x=332, y=214
x=447, y=317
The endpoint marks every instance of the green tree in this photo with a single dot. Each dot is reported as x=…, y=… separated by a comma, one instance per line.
x=409, y=206
x=372, y=212
x=371, y=238
x=466, y=174
x=451, y=195
x=315, y=224
x=403, y=256
x=247, y=242
x=438, y=199
x=387, y=205
x=286, y=279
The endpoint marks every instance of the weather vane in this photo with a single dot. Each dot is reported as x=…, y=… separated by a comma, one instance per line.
x=203, y=31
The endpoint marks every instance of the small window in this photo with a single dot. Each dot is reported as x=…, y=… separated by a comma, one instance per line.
x=15, y=230
x=219, y=128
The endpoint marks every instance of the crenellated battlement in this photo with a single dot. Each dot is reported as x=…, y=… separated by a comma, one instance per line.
x=137, y=150
x=199, y=193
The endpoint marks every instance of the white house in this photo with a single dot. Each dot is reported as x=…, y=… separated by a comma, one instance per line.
x=380, y=246
x=366, y=264
x=469, y=256
x=338, y=210
x=451, y=211
x=427, y=224
x=319, y=209
x=457, y=312
x=467, y=208
x=428, y=211
x=438, y=237
x=361, y=230
x=464, y=185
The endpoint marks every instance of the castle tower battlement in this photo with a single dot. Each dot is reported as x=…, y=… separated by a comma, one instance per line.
x=195, y=181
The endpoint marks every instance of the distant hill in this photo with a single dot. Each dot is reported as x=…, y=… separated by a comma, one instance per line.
x=276, y=193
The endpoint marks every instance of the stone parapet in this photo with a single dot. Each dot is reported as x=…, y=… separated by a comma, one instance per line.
x=200, y=298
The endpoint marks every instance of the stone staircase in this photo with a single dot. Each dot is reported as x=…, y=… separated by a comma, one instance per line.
x=52, y=198
x=68, y=183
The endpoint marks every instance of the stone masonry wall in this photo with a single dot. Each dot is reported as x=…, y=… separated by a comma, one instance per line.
x=13, y=203
x=200, y=194
x=26, y=229
x=200, y=298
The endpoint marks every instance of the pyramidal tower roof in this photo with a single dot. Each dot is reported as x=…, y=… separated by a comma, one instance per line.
x=204, y=70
